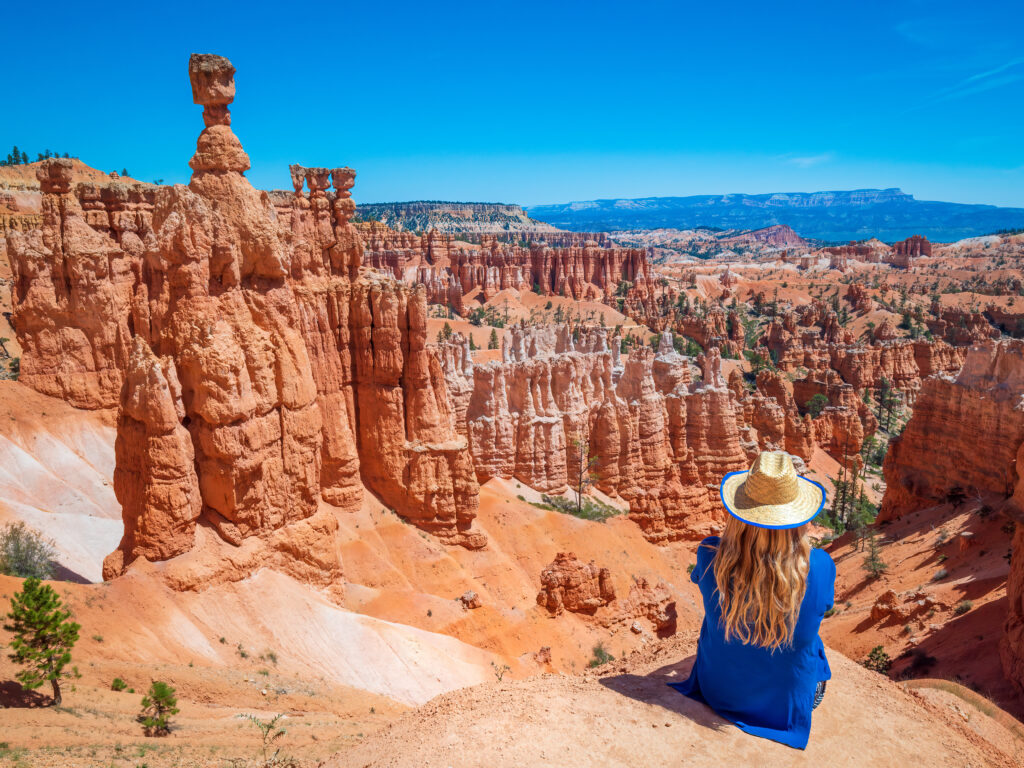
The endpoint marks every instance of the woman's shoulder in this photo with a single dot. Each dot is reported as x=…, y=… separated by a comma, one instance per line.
x=822, y=563
x=708, y=547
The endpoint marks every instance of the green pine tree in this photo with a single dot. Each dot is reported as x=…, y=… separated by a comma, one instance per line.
x=816, y=405
x=158, y=705
x=43, y=636
x=873, y=563
x=492, y=343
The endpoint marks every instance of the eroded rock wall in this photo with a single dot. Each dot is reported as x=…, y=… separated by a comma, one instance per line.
x=256, y=366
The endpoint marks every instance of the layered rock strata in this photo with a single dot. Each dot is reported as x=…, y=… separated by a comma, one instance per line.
x=657, y=440
x=585, y=269
x=257, y=368
x=967, y=433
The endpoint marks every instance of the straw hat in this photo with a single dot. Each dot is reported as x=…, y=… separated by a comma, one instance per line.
x=771, y=494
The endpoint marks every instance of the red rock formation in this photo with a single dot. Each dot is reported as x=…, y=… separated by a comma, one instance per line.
x=964, y=432
x=858, y=296
x=915, y=246
x=834, y=429
x=409, y=451
x=960, y=327
x=901, y=608
x=259, y=354
x=663, y=453
x=937, y=357
x=968, y=433
x=569, y=584
x=653, y=603
x=1011, y=647
x=589, y=268
x=72, y=291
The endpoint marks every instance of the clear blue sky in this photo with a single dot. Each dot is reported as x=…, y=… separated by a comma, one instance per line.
x=538, y=102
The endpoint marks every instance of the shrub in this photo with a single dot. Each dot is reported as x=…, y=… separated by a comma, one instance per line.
x=270, y=733
x=590, y=509
x=816, y=405
x=830, y=612
x=157, y=707
x=118, y=684
x=600, y=656
x=499, y=672
x=963, y=607
x=25, y=553
x=878, y=660
x=43, y=636
x=940, y=574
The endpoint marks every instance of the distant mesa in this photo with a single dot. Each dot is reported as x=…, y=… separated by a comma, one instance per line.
x=452, y=217
x=889, y=214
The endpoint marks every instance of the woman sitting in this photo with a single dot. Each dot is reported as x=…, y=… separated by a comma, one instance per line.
x=760, y=662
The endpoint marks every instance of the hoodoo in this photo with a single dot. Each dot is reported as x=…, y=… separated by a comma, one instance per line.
x=256, y=366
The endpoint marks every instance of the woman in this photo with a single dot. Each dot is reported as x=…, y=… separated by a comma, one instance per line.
x=760, y=662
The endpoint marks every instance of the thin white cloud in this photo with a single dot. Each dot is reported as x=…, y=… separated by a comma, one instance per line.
x=995, y=77
x=809, y=161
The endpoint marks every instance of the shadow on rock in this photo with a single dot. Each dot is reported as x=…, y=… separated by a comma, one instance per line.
x=653, y=689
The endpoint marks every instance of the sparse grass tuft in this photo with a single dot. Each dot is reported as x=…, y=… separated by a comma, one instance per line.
x=600, y=656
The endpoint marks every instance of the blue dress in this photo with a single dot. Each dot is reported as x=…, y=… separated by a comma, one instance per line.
x=765, y=693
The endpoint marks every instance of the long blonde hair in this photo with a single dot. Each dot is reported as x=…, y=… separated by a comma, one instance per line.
x=762, y=577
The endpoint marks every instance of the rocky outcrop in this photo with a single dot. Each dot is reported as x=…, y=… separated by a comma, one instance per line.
x=900, y=608
x=968, y=433
x=965, y=432
x=580, y=269
x=73, y=286
x=653, y=602
x=257, y=369
x=569, y=584
x=1011, y=647
x=960, y=327
x=558, y=391
x=409, y=451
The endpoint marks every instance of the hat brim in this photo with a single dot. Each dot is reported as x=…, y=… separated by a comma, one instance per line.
x=805, y=507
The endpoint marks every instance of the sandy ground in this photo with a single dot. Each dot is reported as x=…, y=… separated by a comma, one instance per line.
x=626, y=715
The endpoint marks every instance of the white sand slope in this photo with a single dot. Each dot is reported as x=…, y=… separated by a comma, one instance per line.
x=56, y=471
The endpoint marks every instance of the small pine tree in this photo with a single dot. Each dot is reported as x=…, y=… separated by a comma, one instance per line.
x=472, y=344
x=124, y=171
x=492, y=343
x=158, y=705
x=874, y=566
x=43, y=636
x=816, y=405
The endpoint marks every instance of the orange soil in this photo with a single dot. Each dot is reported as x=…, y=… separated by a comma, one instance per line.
x=916, y=548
